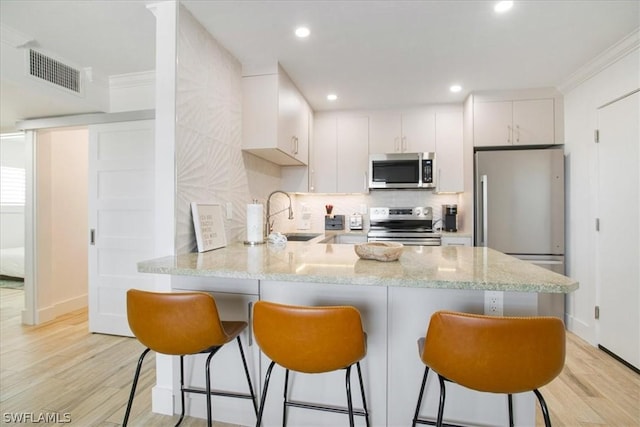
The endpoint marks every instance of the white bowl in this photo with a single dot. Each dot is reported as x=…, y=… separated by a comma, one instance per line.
x=379, y=251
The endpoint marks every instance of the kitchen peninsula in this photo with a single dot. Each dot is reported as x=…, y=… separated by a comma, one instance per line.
x=395, y=299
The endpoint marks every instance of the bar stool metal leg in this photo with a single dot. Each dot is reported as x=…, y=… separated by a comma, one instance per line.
x=284, y=400
x=246, y=371
x=420, y=395
x=182, y=392
x=264, y=394
x=364, y=399
x=543, y=406
x=133, y=387
x=442, y=398
x=510, y=402
x=208, y=386
x=349, y=402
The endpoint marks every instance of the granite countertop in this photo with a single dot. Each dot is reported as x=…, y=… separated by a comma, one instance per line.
x=444, y=267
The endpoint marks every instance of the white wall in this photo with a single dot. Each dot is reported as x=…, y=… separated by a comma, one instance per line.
x=61, y=222
x=12, y=154
x=618, y=74
x=210, y=164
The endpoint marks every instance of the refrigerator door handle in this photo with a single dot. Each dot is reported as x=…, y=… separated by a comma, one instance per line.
x=485, y=217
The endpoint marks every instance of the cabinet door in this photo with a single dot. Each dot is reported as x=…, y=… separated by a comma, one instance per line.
x=301, y=151
x=385, y=132
x=492, y=123
x=448, y=147
x=533, y=122
x=323, y=155
x=288, y=115
x=418, y=131
x=352, y=158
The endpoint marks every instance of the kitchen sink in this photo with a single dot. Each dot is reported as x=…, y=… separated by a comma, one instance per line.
x=301, y=237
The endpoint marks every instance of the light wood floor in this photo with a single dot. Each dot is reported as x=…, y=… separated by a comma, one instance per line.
x=60, y=367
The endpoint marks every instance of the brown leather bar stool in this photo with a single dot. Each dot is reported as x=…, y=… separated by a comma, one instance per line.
x=492, y=354
x=181, y=324
x=311, y=340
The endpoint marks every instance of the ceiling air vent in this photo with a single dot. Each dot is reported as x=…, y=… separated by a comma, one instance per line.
x=53, y=71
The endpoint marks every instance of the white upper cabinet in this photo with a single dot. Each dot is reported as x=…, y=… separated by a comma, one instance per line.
x=352, y=154
x=401, y=132
x=339, y=158
x=275, y=119
x=514, y=122
x=449, y=152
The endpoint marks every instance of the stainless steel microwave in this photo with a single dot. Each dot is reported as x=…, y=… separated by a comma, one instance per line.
x=402, y=170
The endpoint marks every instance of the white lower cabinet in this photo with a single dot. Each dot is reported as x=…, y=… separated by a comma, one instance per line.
x=329, y=388
x=409, y=312
x=234, y=300
x=394, y=318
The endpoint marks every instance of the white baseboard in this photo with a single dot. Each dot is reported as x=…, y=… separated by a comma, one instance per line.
x=63, y=307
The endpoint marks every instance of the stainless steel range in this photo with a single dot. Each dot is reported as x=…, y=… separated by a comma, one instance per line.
x=409, y=226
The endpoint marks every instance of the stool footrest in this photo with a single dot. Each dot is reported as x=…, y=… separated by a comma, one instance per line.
x=316, y=407
x=434, y=423
x=217, y=393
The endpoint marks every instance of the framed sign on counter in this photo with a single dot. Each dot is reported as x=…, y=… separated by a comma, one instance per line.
x=209, y=226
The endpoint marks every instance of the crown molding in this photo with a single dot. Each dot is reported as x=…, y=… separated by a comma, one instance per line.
x=610, y=56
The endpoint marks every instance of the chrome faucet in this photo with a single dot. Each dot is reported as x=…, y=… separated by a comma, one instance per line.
x=269, y=225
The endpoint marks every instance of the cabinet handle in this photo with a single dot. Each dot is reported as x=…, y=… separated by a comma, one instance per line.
x=404, y=144
x=293, y=145
x=509, y=134
x=396, y=144
x=250, y=323
x=438, y=181
x=517, y=133
x=297, y=145
x=366, y=183
x=92, y=236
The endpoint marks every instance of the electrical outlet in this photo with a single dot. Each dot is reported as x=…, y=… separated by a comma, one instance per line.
x=493, y=302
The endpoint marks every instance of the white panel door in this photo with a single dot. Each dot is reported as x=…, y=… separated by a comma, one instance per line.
x=121, y=219
x=618, y=266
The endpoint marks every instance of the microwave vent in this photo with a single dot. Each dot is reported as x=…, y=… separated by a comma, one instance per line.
x=53, y=71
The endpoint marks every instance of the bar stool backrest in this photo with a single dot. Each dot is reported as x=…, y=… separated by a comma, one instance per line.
x=309, y=339
x=175, y=323
x=495, y=354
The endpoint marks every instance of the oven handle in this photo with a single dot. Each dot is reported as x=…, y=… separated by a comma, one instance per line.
x=408, y=242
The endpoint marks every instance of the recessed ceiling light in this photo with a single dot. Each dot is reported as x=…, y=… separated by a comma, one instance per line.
x=332, y=97
x=503, y=6
x=455, y=88
x=302, y=32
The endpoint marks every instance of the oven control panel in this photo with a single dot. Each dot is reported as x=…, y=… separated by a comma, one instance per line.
x=381, y=214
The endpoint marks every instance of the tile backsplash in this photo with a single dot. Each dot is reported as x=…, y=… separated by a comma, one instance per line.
x=348, y=204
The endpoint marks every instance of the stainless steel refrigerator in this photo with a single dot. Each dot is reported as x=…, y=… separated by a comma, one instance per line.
x=519, y=207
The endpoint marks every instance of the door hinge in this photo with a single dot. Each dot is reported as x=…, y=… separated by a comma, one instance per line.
x=596, y=136
x=597, y=312
x=597, y=224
